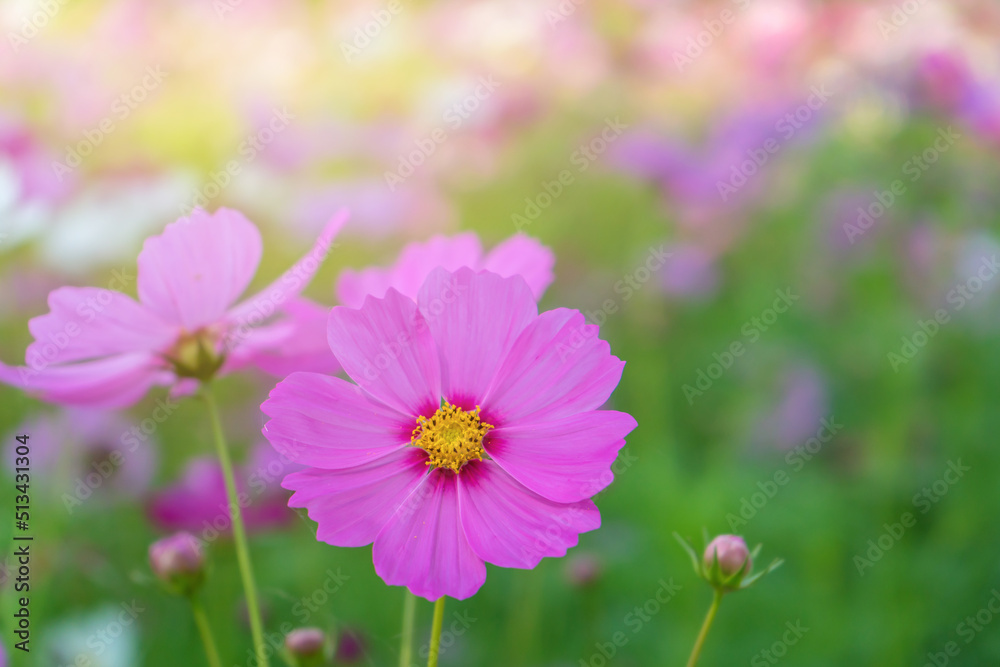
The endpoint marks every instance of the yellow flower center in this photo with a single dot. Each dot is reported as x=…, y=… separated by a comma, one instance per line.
x=451, y=436
x=195, y=355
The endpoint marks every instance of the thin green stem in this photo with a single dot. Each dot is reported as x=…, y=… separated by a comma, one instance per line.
x=409, y=614
x=432, y=658
x=700, y=642
x=205, y=630
x=239, y=531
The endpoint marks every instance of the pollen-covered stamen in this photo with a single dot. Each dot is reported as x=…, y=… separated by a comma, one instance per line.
x=451, y=436
x=196, y=354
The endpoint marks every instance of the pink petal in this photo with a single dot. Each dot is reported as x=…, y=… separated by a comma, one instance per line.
x=387, y=348
x=508, y=525
x=352, y=505
x=565, y=460
x=88, y=323
x=524, y=256
x=112, y=382
x=192, y=272
x=262, y=305
x=296, y=342
x=475, y=319
x=326, y=422
x=558, y=367
x=424, y=548
x=415, y=263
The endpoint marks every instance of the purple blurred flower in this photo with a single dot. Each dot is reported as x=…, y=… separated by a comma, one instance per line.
x=943, y=80
x=946, y=83
x=802, y=404
x=351, y=646
x=689, y=272
x=197, y=502
x=707, y=181
x=86, y=454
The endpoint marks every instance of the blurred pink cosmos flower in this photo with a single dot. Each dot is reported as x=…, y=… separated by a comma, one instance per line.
x=99, y=347
x=518, y=255
x=473, y=433
x=198, y=503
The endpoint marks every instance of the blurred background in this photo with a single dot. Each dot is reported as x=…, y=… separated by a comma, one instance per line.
x=783, y=214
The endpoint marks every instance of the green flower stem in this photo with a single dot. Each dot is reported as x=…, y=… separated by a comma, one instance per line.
x=239, y=531
x=700, y=642
x=432, y=658
x=205, y=630
x=409, y=614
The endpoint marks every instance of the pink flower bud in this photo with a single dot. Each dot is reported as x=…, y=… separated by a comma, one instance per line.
x=732, y=553
x=306, y=645
x=178, y=561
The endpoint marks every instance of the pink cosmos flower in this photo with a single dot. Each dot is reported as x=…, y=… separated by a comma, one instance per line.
x=198, y=502
x=473, y=433
x=518, y=255
x=100, y=347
